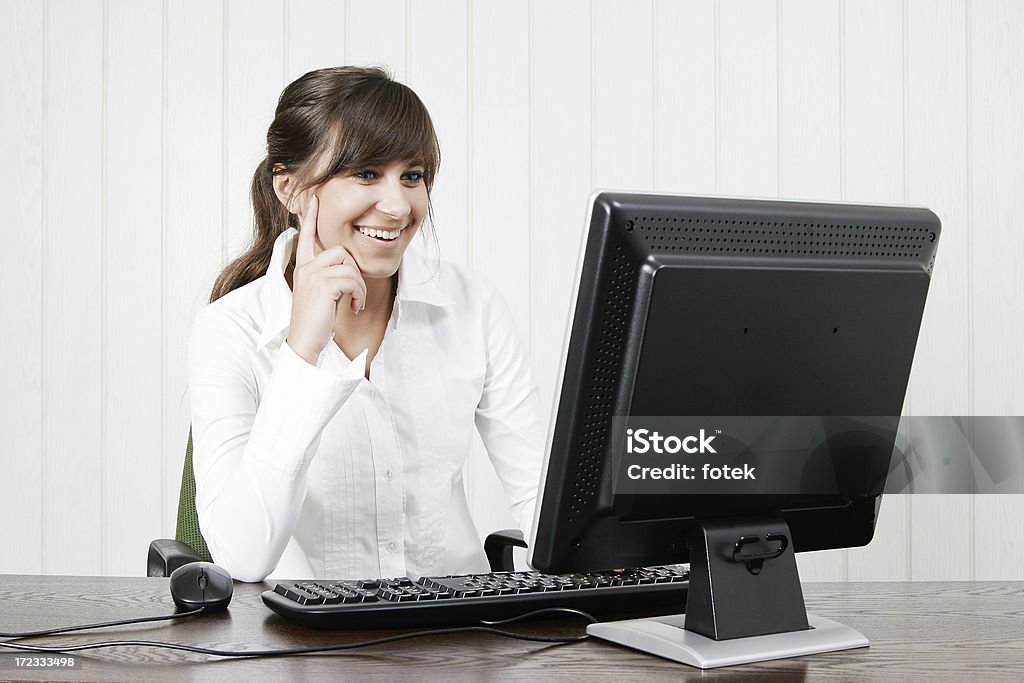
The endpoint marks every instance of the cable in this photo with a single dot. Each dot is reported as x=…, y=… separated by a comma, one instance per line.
x=570, y=610
x=324, y=648
x=68, y=629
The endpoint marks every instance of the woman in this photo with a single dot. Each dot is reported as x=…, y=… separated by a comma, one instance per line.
x=336, y=376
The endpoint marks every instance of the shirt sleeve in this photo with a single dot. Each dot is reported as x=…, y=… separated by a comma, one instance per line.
x=251, y=454
x=508, y=415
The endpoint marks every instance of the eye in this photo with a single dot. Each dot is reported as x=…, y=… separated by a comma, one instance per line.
x=413, y=177
x=365, y=174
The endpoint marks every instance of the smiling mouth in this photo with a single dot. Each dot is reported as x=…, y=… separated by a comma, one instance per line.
x=381, y=235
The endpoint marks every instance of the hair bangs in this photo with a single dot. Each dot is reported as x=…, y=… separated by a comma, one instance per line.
x=381, y=123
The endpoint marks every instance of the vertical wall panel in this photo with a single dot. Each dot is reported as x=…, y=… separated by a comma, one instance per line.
x=809, y=87
x=438, y=74
x=193, y=207
x=499, y=182
x=73, y=266
x=996, y=99
x=560, y=182
x=684, y=96
x=873, y=106
x=254, y=75
x=874, y=120
x=809, y=166
x=21, y=265
x=314, y=36
x=747, y=98
x=499, y=151
x=623, y=123
x=132, y=287
x=377, y=35
x=936, y=177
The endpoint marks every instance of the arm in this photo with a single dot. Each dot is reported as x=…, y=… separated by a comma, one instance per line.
x=250, y=459
x=508, y=415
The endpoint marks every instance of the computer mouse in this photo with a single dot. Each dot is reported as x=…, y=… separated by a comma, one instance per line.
x=201, y=584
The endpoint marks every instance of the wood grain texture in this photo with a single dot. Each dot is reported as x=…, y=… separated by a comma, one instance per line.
x=22, y=186
x=996, y=94
x=132, y=287
x=918, y=632
x=316, y=36
x=748, y=92
x=72, y=284
x=873, y=106
x=622, y=136
x=684, y=86
x=937, y=177
x=377, y=33
x=810, y=79
x=501, y=233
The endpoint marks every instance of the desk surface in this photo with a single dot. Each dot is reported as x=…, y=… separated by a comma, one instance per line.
x=918, y=631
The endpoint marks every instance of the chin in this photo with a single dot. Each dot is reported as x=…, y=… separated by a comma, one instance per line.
x=378, y=273
x=377, y=268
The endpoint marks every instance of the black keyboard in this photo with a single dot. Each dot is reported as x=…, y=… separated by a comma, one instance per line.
x=468, y=598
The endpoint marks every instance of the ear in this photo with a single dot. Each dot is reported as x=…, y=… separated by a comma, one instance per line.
x=284, y=186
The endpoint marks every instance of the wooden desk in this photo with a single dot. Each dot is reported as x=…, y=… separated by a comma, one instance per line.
x=919, y=631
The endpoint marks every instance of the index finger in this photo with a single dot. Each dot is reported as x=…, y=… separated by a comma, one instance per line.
x=305, y=250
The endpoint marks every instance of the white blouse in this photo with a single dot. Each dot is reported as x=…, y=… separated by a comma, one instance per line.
x=317, y=472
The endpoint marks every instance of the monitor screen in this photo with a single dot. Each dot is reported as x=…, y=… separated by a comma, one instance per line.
x=740, y=309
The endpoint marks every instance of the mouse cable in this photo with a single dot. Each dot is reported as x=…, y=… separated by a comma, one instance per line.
x=64, y=649
x=124, y=622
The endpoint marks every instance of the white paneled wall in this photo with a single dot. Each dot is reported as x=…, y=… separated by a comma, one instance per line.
x=995, y=142
x=132, y=128
x=936, y=176
x=71, y=265
x=21, y=374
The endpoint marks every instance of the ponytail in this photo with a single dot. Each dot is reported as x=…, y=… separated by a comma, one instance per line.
x=271, y=218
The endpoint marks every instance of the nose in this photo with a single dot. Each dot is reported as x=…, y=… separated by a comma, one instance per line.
x=392, y=200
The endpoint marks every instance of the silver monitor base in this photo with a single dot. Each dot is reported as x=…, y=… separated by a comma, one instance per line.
x=665, y=637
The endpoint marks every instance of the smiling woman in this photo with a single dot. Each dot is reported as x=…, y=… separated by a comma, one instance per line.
x=336, y=375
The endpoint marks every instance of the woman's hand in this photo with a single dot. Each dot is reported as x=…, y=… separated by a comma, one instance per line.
x=320, y=280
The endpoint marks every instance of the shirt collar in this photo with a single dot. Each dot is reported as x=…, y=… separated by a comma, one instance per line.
x=418, y=283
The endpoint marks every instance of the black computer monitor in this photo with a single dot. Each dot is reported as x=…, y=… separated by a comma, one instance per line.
x=700, y=306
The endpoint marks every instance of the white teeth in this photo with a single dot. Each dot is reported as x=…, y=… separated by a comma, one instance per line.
x=380, y=234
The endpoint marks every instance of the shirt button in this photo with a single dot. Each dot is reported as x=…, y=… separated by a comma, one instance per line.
x=392, y=546
x=389, y=475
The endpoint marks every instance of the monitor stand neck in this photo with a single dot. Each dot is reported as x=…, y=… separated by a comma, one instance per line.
x=743, y=579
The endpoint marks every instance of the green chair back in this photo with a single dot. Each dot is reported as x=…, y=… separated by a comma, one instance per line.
x=188, y=520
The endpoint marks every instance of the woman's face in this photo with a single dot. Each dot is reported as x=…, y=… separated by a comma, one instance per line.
x=374, y=213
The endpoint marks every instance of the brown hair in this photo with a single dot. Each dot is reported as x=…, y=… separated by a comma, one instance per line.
x=327, y=122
